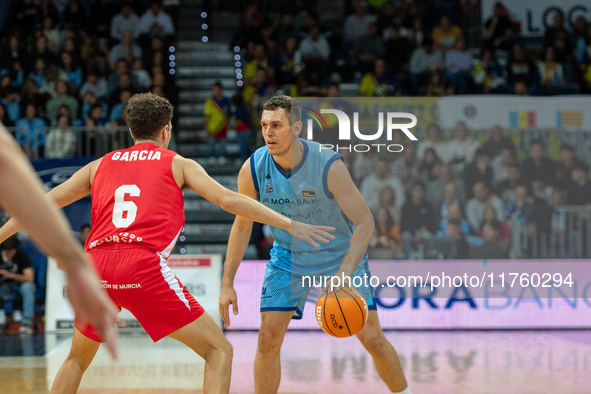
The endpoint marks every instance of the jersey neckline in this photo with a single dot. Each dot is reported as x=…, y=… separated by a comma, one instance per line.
x=296, y=168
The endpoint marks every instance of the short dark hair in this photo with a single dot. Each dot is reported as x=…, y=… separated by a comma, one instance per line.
x=85, y=225
x=482, y=152
x=289, y=104
x=492, y=222
x=217, y=84
x=68, y=117
x=581, y=166
x=538, y=142
x=420, y=184
x=147, y=114
x=454, y=222
x=567, y=147
x=11, y=243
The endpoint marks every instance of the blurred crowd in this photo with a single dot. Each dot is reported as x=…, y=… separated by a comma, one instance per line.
x=62, y=66
x=408, y=48
x=478, y=192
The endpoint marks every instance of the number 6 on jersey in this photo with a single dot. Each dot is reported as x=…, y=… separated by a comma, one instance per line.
x=124, y=212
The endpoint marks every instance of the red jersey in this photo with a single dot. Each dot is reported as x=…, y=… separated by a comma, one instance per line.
x=135, y=200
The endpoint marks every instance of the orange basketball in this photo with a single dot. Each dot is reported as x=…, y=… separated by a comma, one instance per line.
x=342, y=313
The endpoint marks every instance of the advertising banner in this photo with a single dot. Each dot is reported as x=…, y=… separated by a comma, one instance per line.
x=509, y=301
x=200, y=274
x=536, y=15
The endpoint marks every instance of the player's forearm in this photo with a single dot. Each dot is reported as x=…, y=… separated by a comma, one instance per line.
x=237, y=244
x=357, y=247
x=242, y=205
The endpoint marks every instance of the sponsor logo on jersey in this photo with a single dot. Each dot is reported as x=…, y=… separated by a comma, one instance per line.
x=309, y=193
x=268, y=189
x=268, y=176
x=136, y=155
x=287, y=201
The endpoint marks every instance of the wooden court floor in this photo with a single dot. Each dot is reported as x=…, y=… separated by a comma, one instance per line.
x=461, y=362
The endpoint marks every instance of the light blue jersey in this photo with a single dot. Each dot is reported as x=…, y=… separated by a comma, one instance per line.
x=302, y=195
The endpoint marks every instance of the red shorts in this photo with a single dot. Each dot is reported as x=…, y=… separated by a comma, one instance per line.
x=138, y=279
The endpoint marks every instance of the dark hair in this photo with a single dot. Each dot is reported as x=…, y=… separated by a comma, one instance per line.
x=11, y=243
x=65, y=116
x=421, y=184
x=291, y=107
x=427, y=41
x=538, y=142
x=389, y=219
x=238, y=100
x=567, y=147
x=482, y=152
x=217, y=84
x=454, y=222
x=85, y=225
x=147, y=114
x=492, y=222
x=581, y=166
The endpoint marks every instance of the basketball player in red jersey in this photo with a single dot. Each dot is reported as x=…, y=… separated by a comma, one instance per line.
x=21, y=194
x=137, y=216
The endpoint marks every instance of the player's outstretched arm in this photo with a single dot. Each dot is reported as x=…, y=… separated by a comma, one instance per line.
x=22, y=195
x=75, y=188
x=196, y=178
x=237, y=244
x=353, y=205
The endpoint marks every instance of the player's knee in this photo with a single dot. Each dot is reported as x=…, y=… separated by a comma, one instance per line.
x=374, y=341
x=269, y=340
x=226, y=349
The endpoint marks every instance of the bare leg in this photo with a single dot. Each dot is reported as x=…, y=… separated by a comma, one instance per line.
x=207, y=340
x=267, y=364
x=384, y=356
x=81, y=355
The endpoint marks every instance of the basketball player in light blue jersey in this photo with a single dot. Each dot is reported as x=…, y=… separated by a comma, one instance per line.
x=296, y=178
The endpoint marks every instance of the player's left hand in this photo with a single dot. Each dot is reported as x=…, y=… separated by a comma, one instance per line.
x=311, y=233
x=6, y=274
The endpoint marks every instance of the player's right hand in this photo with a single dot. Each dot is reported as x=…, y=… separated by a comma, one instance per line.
x=310, y=233
x=92, y=305
x=228, y=297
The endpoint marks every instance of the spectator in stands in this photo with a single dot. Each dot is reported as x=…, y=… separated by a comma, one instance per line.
x=541, y=191
x=97, y=84
x=374, y=183
x=100, y=17
x=97, y=115
x=579, y=190
x=116, y=110
x=124, y=83
x=453, y=228
x=538, y=166
x=462, y=149
x=38, y=73
x=356, y=24
x=498, y=31
x=521, y=211
x=71, y=69
x=84, y=233
x=242, y=125
x=364, y=165
x=31, y=133
x=368, y=48
x=61, y=141
x=417, y=33
x=378, y=82
x=259, y=61
x=491, y=214
x=315, y=48
x=4, y=119
x=556, y=31
x=26, y=14
x=397, y=54
x=63, y=98
x=74, y=15
x=387, y=234
x=436, y=87
x=506, y=189
x=520, y=68
x=124, y=21
x=551, y=74
x=287, y=29
x=156, y=23
x=494, y=247
x=501, y=164
x=388, y=200
x=11, y=103
x=434, y=142
x=488, y=74
x=144, y=81
x=31, y=95
x=477, y=171
x=476, y=206
x=568, y=161
x=217, y=117
x=13, y=51
x=454, y=212
x=429, y=166
x=17, y=277
x=51, y=34
x=444, y=190
x=407, y=168
x=126, y=49
x=458, y=64
x=88, y=101
x=417, y=220
x=445, y=35
x=497, y=142
x=423, y=61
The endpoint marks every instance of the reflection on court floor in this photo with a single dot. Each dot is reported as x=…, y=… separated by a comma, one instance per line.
x=459, y=362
